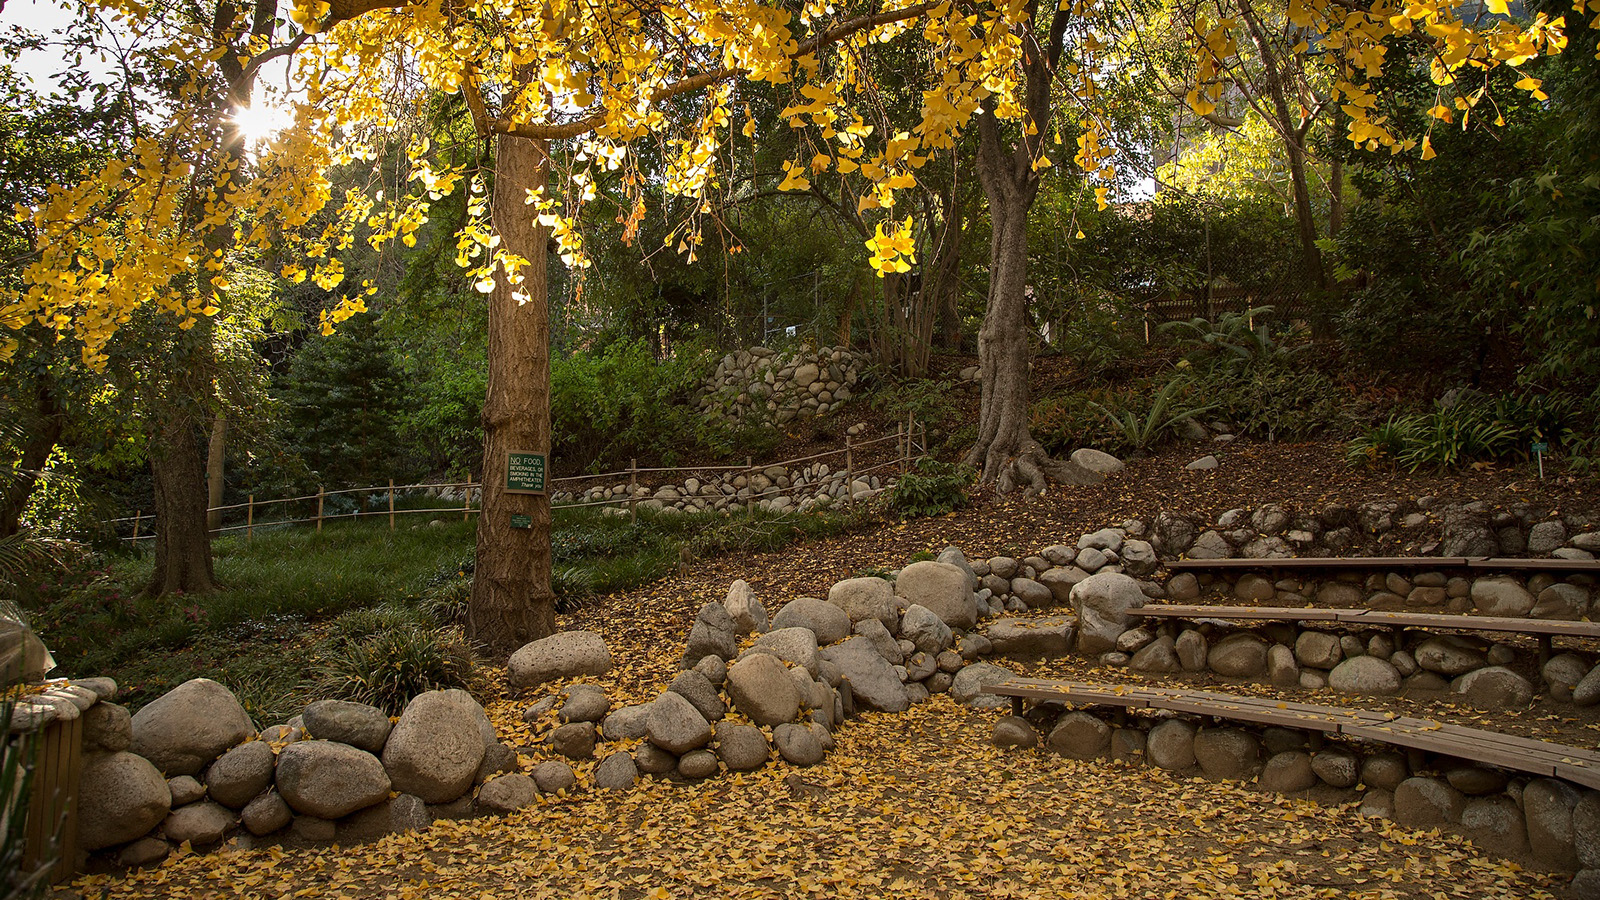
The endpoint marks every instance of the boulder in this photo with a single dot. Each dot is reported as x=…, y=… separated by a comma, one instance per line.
x=1103, y=603
x=1317, y=649
x=827, y=621
x=584, y=703
x=1080, y=735
x=1170, y=744
x=1561, y=601
x=625, y=723
x=1096, y=461
x=574, y=740
x=1587, y=691
x=266, y=814
x=563, y=655
x=795, y=645
x=1282, y=670
x=186, y=728
x=1193, y=652
x=1365, y=675
x=762, y=690
x=1421, y=802
x=1035, y=637
x=1501, y=595
x=674, y=725
x=748, y=614
x=1288, y=772
x=967, y=688
x=742, y=748
x=1586, y=829
x=1138, y=558
x=882, y=641
x=357, y=724
x=508, y=793
x=616, y=772
x=200, y=824
x=1385, y=769
x=1061, y=580
x=185, y=790
x=1104, y=539
x=1227, y=753
x=1548, y=805
x=797, y=744
x=436, y=748
x=925, y=630
x=1449, y=655
x=712, y=634
x=329, y=780
x=1159, y=656
x=698, y=764
x=940, y=588
x=1241, y=655
x=701, y=693
x=107, y=727
x=866, y=598
x=1210, y=545
x=872, y=678
x=1032, y=593
x=241, y=774
x=1338, y=767
x=1495, y=825
x=953, y=556
x=1014, y=732
x=553, y=776
x=121, y=796
x=1494, y=687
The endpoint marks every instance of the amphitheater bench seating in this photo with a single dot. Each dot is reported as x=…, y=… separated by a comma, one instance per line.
x=1523, y=754
x=1387, y=563
x=1545, y=630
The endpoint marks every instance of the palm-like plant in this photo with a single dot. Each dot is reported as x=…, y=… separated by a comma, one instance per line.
x=1140, y=433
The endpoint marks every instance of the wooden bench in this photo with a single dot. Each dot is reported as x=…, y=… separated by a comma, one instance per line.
x=1523, y=754
x=1388, y=563
x=1545, y=630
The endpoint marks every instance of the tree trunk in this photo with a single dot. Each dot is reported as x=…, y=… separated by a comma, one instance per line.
x=512, y=602
x=1003, y=351
x=183, y=548
x=41, y=442
x=216, y=453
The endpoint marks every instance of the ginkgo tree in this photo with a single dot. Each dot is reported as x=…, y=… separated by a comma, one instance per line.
x=604, y=76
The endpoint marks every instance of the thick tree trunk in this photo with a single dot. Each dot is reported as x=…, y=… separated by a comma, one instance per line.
x=512, y=602
x=216, y=452
x=41, y=442
x=183, y=547
x=1003, y=351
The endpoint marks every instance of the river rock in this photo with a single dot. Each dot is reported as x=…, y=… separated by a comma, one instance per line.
x=1365, y=675
x=329, y=780
x=872, y=678
x=240, y=774
x=1241, y=655
x=742, y=748
x=748, y=613
x=1103, y=603
x=437, y=746
x=925, y=630
x=941, y=589
x=200, y=824
x=564, y=655
x=1494, y=687
x=866, y=598
x=121, y=796
x=762, y=690
x=183, y=730
x=1501, y=595
x=675, y=725
x=357, y=724
x=967, y=688
x=827, y=621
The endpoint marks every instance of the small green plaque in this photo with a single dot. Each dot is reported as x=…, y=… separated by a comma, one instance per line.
x=525, y=472
x=1541, y=448
x=518, y=520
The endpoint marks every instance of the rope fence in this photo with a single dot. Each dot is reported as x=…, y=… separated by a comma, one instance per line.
x=911, y=446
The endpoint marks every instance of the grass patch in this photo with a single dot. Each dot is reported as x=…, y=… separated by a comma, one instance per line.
x=307, y=614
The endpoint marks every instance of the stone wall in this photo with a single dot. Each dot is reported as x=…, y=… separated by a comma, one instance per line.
x=761, y=385
x=773, y=489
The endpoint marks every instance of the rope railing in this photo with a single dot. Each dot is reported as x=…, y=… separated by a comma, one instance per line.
x=908, y=451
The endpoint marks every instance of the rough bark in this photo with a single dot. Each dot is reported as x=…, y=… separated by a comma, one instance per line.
x=1005, y=453
x=512, y=602
x=183, y=546
x=216, y=453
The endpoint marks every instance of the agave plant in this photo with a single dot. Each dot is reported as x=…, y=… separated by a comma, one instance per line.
x=1141, y=433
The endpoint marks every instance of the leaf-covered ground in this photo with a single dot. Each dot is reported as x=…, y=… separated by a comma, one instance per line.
x=914, y=805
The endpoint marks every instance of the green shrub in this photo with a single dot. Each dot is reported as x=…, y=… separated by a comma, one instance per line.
x=1276, y=400
x=1234, y=342
x=931, y=404
x=1141, y=429
x=624, y=402
x=1063, y=423
x=387, y=668
x=1448, y=436
x=932, y=489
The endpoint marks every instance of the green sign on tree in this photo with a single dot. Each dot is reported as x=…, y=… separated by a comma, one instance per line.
x=525, y=472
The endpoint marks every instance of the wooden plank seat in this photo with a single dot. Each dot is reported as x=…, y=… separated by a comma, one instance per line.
x=1480, y=745
x=1387, y=563
x=1543, y=630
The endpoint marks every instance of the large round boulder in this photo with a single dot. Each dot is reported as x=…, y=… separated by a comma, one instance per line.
x=121, y=796
x=925, y=630
x=1494, y=687
x=1242, y=655
x=675, y=725
x=564, y=655
x=866, y=598
x=328, y=780
x=827, y=621
x=942, y=589
x=437, y=746
x=1103, y=603
x=762, y=690
x=1365, y=675
x=357, y=724
x=200, y=824
x=872, y=679
x=241, y=774
x=1501, y=595
x=795, y=645
x=186, y=728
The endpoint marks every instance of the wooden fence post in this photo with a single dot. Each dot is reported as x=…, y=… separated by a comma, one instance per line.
x=319, y=508
x=466, y=502
x=633, y=489
x=137, y=514
x=900, y=445
x=750, y=487
x=849, y=478
x=391, y=504
x=250, y=519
